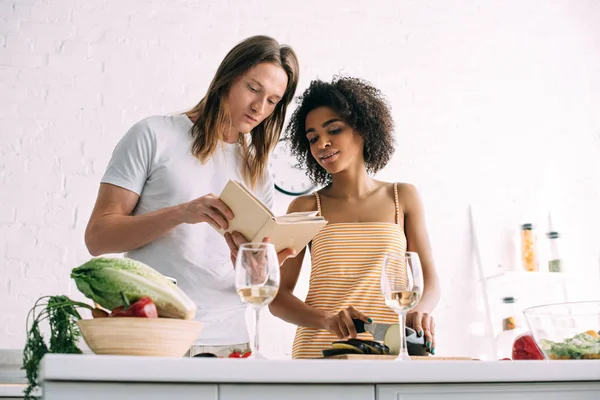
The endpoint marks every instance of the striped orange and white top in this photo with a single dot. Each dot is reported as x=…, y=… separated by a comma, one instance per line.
x=346, y=271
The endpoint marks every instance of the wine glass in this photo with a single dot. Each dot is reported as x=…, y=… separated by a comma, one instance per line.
x=257, y=281
x=402, y=287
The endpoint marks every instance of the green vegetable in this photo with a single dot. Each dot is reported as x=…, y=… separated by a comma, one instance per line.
x=581, y=346
x=103, y=279
x=61, y=313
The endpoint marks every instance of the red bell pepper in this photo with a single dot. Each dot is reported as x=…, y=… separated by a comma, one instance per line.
x=142, y=308
x=525, y=348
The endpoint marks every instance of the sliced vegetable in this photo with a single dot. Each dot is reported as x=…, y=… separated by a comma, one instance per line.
x=392, y=339
x=361, y=348
x=336, y=352
x=374, y=347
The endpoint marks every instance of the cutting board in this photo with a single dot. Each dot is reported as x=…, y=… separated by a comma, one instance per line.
x=388, y=357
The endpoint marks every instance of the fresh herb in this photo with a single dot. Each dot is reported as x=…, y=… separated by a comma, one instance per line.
x=62, y=315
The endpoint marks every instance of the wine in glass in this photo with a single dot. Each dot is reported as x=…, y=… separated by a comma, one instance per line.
x=257, y=281
x=402, y=287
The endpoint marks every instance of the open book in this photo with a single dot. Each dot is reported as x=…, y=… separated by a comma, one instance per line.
x=255, y=221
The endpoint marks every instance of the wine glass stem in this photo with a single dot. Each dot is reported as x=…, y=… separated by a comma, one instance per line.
x=256, y=321
x=403, y=348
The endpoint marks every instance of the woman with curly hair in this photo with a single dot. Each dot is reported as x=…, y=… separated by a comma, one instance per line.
x=343, y=132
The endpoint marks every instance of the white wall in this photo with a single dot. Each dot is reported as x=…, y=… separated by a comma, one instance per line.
x=496, y=104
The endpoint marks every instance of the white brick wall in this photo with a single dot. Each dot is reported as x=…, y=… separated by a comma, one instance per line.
x=496, y=104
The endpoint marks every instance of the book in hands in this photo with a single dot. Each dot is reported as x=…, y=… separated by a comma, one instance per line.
x=255, y=221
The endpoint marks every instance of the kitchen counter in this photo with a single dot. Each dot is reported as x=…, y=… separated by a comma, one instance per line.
x=68, y=377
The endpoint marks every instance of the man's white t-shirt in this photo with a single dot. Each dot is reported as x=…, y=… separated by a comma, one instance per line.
x=154, y=160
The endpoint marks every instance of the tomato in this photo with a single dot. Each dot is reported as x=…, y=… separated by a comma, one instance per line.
x=235, y=354
x=246, y=354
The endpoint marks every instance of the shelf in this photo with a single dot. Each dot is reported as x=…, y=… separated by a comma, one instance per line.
x=533, y=277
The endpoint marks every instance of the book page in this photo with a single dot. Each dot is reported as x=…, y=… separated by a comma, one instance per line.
x=299, y=217
x=293, y=235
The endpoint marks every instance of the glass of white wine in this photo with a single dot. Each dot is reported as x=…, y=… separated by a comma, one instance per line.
x=257, y=281
x=402, y=287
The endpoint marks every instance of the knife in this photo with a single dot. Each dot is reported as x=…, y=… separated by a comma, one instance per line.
x=389, y=335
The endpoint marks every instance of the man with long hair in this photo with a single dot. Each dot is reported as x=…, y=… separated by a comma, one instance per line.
x=157, y=197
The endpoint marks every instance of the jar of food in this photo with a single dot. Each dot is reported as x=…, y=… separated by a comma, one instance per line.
x=511, y=328
x=509, y=314
x=555, y=263
x=529, y=254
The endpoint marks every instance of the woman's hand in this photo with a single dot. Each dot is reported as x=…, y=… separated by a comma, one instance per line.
x=341, y=324
x=208, y=208
x=236, y=239
x=424, y=324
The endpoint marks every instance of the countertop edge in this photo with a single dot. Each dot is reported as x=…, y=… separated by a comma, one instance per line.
x=58, y=367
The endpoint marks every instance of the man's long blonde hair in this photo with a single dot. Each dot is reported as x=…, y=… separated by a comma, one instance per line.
x=211, y=114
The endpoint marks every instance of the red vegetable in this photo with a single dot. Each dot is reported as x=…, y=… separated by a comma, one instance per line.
x=143, y=308
x=525, y=348
x=239, y=354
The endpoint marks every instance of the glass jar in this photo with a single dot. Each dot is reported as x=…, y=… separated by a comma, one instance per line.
x=529, y=254
x=509, y=314
x=555, y=263
x=511, y=328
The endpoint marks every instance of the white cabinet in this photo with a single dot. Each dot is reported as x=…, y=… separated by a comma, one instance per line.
x=128, y=391
x=75, y=377
x=491, y=391
x=195, y=391
x=296, y=392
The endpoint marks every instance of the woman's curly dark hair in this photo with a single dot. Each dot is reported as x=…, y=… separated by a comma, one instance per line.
x=361, y=106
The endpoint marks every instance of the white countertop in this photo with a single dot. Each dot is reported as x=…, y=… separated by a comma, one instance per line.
x=94, y=368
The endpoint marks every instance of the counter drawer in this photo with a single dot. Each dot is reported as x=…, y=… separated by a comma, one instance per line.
x=56, y=390
x=296, y=392
x=491, y=391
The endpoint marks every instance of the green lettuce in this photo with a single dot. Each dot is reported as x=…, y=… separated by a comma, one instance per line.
x=102, y=280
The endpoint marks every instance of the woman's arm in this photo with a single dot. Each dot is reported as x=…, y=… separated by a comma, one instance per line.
x=112, y=228
x=418, y=241
x=293, y=310
x=287, y=306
